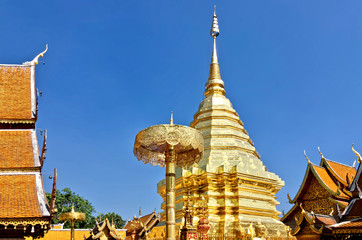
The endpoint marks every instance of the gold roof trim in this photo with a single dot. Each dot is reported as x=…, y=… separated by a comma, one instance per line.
x=25, y=221
x=17, y=121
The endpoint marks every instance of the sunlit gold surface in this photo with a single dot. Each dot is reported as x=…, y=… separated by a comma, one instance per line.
x=169, y=145
x=237, y=187
x=152, y=144
x=73, y=217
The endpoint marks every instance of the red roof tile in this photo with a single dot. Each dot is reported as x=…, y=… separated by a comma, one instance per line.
x=327, y=180
x=18, y=197
x=15, y=93
x=16, y=149
x=342, y=170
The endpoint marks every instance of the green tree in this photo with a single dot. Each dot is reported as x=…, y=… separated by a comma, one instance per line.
x=64, y=201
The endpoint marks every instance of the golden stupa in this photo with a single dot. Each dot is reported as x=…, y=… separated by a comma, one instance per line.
x=238, y=189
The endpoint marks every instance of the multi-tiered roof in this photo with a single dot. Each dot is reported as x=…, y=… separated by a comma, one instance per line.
x=24, y=210
x=328, y=203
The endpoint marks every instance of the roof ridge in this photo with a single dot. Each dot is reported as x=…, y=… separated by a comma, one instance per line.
x=339, y=163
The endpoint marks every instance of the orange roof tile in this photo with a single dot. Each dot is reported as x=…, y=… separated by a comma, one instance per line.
x=18, y=197
x=145, y=218
x=352, y=225
x=355, y=223
x=327, y=180
x=15, y=93
x=16, y=149
x=342, y=170
x=326, y=220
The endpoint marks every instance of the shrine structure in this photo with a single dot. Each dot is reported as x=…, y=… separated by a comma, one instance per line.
x=328, y=204
x=237, y=187
x=139, y=228
x=24, y=210
x=105, y=230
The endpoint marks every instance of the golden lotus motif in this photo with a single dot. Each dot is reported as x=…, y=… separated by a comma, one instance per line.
x=152, y=143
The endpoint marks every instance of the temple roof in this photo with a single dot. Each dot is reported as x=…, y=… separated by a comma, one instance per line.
x=339, y=170
x=142, y=225
x=18, y=149
x=105, y=230
x=324, y=178
x=355, y=223
x=23, y=204
x=19, y=196
x=17, y=94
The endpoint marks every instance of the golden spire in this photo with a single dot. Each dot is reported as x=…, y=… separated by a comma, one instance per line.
x=171, y=119
x=214, y=85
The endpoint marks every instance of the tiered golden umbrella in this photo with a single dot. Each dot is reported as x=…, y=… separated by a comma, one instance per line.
x=73, y=217
x=169, y=145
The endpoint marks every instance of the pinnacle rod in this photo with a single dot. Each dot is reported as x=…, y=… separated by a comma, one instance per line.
x=170, y=193
x=72, y=230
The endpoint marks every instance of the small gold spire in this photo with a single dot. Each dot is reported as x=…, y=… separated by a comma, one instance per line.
x=214, y=84
x=171, y=119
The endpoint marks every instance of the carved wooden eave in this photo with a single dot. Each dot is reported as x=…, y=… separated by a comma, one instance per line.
x=307, y=219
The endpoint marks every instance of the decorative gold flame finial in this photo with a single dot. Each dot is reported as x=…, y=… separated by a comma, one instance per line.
x=319, y=150
x=36, y=59
x=305, y=154
x=357, y=154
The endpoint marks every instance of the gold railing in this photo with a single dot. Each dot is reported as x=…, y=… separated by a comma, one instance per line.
x=219, y=236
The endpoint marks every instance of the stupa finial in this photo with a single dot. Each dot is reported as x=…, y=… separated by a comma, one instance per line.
x=214, y=84
x=214, y=32
x=171, y=119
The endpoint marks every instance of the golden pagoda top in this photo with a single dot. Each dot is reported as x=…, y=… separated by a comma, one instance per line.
x=214, y=85
x=227, y=143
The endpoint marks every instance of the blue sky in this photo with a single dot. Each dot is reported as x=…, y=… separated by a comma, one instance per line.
x=292, y=70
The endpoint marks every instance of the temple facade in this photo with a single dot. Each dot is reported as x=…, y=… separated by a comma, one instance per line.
x=328, y=204
x=230, y=183
x=24, y=210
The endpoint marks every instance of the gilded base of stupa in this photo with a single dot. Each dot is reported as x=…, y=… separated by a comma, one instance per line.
x=232, y=201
